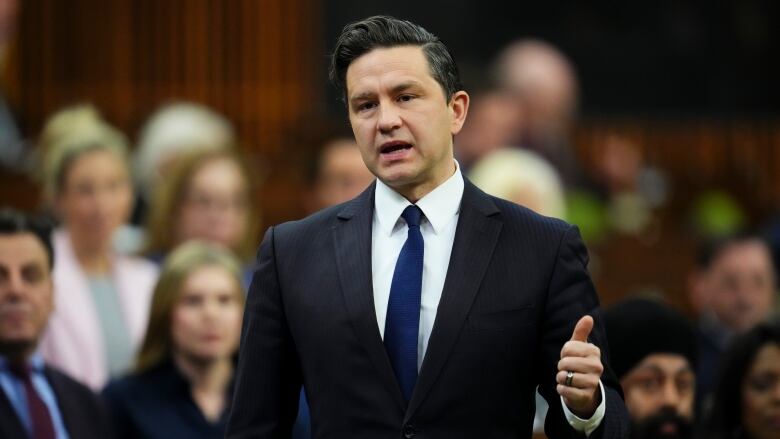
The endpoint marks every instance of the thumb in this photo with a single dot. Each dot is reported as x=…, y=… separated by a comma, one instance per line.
x=583, y=328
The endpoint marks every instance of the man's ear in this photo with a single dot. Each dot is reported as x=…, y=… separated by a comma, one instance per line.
x=459, y=107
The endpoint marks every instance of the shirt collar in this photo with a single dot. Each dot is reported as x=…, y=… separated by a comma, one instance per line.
x=439, y=206
x=36, y=363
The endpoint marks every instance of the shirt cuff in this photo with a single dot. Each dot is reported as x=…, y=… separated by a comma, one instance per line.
x=587, y=426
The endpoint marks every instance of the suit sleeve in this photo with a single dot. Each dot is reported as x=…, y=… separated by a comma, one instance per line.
x=268, y=377
x=83, y=412
x=570, y=296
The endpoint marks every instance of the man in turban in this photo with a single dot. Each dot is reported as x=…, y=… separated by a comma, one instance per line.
x=653, y=354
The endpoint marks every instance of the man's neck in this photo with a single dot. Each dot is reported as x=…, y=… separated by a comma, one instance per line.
x=16, y=353
x=714, y=329
x=415, y=192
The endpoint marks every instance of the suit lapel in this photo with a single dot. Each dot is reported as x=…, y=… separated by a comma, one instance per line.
x=71, y=415
x=475, y=238
x=352, y=240
x=10, y=425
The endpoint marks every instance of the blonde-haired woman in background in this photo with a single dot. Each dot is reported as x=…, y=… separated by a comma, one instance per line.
x=182, y=385
x=102, y=297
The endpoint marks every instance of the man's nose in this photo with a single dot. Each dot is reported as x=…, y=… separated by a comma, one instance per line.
x=14, y=287
x=671, y=396
x=389, y=118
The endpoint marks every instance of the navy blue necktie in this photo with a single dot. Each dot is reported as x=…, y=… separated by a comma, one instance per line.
x=403, y=309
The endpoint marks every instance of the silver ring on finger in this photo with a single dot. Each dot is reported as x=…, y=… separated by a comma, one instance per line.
x=569, y=377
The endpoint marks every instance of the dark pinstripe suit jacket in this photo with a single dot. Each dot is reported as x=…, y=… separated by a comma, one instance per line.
x=517, y=283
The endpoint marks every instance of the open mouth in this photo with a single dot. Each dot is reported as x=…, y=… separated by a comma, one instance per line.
x=394, y=147
x=668, y=428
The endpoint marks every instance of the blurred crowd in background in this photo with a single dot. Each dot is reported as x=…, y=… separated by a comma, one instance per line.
x=155, y=230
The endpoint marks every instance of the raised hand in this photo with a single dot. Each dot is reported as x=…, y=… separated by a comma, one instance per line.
x=579, y=371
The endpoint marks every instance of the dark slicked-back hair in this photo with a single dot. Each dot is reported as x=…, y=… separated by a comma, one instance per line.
x=381, y=31
x=709, y=250
x=13, y=222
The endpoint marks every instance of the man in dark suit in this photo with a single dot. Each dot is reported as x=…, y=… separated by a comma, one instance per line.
x=36, y=401
x=424, y=307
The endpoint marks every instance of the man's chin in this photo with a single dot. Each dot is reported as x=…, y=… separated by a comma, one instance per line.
x=399, y=174
x=399, y=180
x=17, y=347
x=665, y=425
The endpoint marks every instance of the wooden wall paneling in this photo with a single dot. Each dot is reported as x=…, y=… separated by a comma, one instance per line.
x=252, y=60
x=261, y=62
x=697, y=154
x=236, y=56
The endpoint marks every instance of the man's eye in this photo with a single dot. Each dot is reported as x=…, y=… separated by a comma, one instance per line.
x=32, y=275
x=405, y=98
x=685, y=385
x=649, y=384
x=366, y=106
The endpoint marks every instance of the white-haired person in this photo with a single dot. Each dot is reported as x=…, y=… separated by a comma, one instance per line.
x=523, y=177
x=172, y=131
x=101, y=296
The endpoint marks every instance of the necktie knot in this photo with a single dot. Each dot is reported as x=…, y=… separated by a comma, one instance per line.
x=20, y=370
x=412, y=215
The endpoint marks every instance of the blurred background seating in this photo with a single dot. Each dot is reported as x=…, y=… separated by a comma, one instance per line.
x=689, y=97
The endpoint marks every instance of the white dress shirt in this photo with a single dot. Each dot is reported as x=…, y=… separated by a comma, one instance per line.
x=440, y=208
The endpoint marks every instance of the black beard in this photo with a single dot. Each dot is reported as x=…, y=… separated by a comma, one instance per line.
x=651, y=428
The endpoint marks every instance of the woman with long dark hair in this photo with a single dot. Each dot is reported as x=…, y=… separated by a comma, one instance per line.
x=746, y=404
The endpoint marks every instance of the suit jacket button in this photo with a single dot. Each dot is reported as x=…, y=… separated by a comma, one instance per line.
x=409, y=431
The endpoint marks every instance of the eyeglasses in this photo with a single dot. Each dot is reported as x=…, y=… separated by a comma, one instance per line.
x=209, y=202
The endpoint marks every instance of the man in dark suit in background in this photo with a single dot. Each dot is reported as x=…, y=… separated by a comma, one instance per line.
x=424, y=307
x=36, y=401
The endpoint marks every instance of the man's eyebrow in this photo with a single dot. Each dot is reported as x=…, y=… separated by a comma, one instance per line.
x=362, y=96
x=684, y=369
x=404, y=86
x=651, y=367
x=658, y=369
